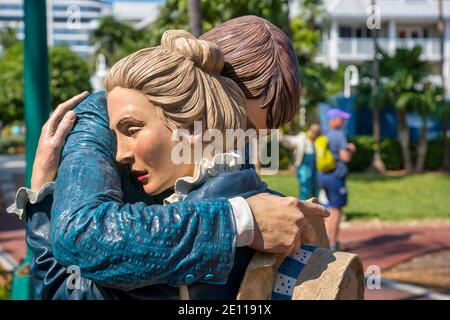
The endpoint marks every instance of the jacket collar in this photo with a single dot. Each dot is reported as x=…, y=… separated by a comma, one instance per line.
x=220, y=163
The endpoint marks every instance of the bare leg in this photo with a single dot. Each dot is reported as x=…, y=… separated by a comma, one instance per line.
x=332, y=224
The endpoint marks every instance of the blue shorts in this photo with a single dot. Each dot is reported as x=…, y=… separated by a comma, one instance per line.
x=335, y=189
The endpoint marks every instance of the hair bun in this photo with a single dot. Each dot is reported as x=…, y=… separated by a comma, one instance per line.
x=204, y=54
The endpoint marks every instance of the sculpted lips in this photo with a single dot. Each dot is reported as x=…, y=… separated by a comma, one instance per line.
x=142, y=176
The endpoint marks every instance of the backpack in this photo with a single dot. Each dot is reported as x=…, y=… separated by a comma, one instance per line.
x=325, y=161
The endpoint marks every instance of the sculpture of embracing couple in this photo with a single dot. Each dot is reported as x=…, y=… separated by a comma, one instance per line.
x=107, y=199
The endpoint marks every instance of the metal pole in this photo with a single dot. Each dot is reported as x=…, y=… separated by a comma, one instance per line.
x=37, y=110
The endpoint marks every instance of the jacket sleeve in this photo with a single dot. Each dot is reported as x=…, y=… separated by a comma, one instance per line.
x=130, y=245
x=50, y=278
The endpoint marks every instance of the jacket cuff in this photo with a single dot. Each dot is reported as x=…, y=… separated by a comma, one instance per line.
x=26, y=195
x=244, y=221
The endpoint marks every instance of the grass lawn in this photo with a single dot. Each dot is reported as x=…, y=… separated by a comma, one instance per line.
x=386, y=198
x=5, y=284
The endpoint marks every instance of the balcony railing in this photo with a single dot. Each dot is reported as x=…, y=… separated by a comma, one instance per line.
x=363, y=48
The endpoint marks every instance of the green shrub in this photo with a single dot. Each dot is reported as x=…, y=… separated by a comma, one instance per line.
x=12, y=145
x=365, y=146
x=435, y=155
x=284, y=158
x=391, y=154
x=5, y=284
x=390, y=150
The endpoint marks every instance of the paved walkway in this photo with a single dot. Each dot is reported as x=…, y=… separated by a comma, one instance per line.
x=389, y=244
x=12, y=235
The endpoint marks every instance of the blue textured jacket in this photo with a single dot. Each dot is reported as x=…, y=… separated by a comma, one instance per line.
x=51, y=278
x=116, y=242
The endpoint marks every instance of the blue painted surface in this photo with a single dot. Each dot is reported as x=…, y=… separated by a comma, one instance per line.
x=361, y=121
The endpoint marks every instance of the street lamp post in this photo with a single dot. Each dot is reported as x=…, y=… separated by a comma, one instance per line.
x=351, y=79
x=37, y=109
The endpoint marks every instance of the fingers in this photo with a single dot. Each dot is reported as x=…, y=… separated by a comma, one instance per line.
x=308, y=234
x=313, y=200
x=64, y=128
x=312, y=207
x=61, y=110
x=305, y=234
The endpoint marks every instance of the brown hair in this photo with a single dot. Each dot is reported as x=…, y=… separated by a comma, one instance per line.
x=261, y=59
x=182, y=79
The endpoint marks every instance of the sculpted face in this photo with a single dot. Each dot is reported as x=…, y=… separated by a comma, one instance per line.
x=143, y=140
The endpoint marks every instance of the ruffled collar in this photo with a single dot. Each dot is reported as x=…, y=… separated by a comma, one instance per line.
x=222, y=162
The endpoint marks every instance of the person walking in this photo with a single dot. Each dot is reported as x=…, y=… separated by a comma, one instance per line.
x=304, y=154
x=333, y=181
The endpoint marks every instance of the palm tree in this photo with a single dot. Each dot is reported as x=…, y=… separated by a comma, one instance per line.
x=377, y=162
x=423, y=102
x=111, y=37
x=445, y=108
x=404, y=72
x=195, y=17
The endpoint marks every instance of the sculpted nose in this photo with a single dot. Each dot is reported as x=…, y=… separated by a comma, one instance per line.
x=124, y=157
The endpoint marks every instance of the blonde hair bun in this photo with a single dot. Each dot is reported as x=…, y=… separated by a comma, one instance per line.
x=204, y=54
x=181, y=77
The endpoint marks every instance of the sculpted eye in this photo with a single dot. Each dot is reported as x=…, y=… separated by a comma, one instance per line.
x=133, y=130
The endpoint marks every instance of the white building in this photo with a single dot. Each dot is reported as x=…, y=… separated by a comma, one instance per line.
x=403, y=23
x=139, y=13
x=69, y=22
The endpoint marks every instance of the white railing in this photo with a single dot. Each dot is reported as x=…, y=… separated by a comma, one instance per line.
x=430, y=47
x=363, y=48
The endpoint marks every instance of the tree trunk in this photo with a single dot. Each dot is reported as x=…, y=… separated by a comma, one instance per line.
x=288, y=13
x=441, y=31
x=446, y=162
x=377, y=162
x=423, y=146
x=195, y=17
x=403, y=132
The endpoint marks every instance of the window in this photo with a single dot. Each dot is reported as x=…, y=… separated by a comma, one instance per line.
x=82, y=8
x=10, y=18
x=363, y=32
x=345, y=32
x=10, y=7
x=65, y=19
